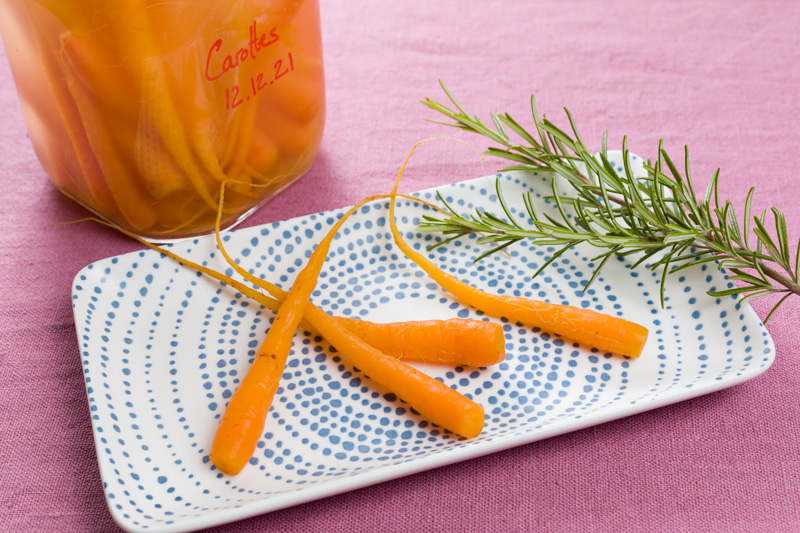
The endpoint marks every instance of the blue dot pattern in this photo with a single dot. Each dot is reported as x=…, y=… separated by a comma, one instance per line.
x=163, y=349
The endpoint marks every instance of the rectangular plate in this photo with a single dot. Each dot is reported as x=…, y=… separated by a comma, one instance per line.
x=163, y=348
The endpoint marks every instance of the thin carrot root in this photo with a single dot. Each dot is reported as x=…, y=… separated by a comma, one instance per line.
x=604, y=332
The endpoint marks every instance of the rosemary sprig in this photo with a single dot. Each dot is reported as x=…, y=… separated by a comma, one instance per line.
x=658, y=215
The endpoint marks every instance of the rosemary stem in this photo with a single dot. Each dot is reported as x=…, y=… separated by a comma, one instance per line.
x=790, y=285
x=625, y=214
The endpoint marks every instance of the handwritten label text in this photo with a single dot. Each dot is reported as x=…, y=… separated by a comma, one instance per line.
x=230, y=61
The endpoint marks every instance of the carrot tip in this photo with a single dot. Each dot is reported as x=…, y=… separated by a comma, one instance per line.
x=225, y=466
x=473, y=421
x=639, y=336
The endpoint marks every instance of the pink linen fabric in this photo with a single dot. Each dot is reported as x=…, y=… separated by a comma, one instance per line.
x=720, y=76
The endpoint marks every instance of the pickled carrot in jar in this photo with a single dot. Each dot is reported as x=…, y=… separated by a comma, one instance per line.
x=141, y=109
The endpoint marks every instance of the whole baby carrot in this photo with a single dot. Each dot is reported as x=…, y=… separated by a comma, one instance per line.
x=601, y=331
x=243, y=421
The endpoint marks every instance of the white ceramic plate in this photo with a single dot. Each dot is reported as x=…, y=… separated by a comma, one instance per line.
x=163, y=348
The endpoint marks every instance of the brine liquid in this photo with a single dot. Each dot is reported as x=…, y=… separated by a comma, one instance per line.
x=141, y=109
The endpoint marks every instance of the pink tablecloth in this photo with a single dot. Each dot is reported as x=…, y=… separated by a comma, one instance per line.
x=723, y=77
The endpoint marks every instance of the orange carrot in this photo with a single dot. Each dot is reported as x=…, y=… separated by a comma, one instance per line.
x=455, y=341
x=262, y=154
x=130, y=197
x=243, y=422
x=431, y=398
x=52, y=68
x=303, y=97
x=604, y=332
x=101, y=71
x=244, y=136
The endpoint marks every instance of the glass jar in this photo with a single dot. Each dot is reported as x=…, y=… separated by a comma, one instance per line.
x=141, y=109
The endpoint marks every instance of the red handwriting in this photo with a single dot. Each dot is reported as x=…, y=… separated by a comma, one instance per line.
x=255, y=45
x=234, y=96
